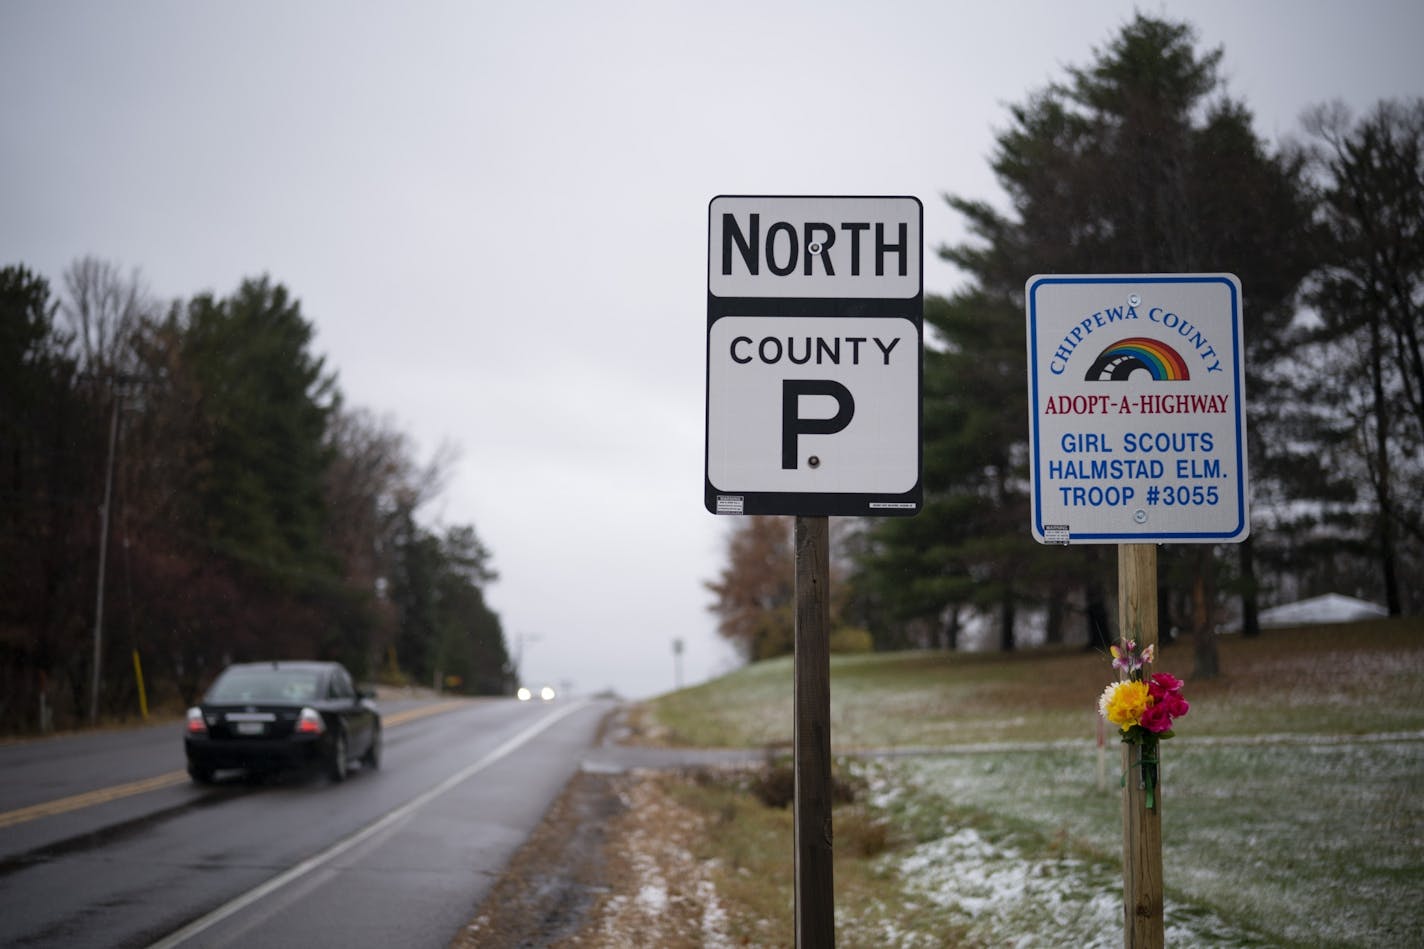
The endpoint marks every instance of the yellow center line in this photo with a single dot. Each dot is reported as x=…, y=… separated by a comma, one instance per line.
x=102, y=796
x=118, y=792
x=397, y=719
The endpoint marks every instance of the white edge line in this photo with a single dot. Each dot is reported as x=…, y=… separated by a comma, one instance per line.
x=203, y=923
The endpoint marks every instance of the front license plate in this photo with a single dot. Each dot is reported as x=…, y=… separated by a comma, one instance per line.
x=251, y=728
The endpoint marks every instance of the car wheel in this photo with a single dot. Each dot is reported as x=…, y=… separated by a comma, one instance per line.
x=372, y=758
x=336, y=766
x=200, y=775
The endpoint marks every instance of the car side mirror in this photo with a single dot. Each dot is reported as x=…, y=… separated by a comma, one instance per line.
x=366, y=693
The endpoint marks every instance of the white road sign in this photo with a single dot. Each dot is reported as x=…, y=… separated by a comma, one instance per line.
x=1137, y=414
x=814, y=326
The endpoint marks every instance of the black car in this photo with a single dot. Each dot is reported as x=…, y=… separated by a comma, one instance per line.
x=270, y=716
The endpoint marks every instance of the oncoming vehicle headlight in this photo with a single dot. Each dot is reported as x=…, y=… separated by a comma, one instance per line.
x=546, y=693
x=524, y=694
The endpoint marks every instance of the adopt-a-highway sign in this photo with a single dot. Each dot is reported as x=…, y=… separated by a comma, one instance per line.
x=1137, y=409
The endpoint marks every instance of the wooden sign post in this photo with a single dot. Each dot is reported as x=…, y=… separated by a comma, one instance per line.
x=1141, y=826
x=815, y=904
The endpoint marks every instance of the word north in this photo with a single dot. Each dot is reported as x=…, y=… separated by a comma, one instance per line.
x=853, y=246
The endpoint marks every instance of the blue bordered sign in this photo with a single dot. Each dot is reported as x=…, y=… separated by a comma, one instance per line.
x=814, y=348
x=1137, y=409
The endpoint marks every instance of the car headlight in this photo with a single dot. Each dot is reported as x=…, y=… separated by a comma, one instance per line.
x=524, y=694
x=546, y=693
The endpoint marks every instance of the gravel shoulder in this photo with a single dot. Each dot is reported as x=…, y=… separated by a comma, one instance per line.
x=611, y=866
x=612, y=863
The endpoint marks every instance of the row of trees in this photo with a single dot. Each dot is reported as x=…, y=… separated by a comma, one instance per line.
x=186, y=483
x=1140, y=163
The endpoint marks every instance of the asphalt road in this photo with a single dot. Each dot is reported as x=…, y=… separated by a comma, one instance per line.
x=104, y=842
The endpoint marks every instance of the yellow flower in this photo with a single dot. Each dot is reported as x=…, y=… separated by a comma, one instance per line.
x=1123, y=703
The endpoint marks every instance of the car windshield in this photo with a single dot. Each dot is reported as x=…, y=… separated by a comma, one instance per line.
x=264, y=685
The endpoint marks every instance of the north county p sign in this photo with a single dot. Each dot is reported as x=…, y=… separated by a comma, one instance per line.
x=1137, y=409
x=814, y=319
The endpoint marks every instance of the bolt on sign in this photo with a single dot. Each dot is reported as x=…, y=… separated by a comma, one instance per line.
x=815, y=310
x=1137, y=410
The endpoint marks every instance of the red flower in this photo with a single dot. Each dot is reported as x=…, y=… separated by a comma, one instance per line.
x=1164, y=683
x=1175, y=705
x=1157, y=718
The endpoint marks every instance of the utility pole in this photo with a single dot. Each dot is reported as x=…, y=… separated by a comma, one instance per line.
x=103, y=559
x=519, y=640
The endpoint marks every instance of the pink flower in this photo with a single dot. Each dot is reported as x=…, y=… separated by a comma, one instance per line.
x=1157, y=718
x=1175, y=705
x=1164, y=683
x=1127, y=658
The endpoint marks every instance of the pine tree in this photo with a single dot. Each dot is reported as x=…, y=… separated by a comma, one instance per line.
x=1137, y=163
x=265, y=401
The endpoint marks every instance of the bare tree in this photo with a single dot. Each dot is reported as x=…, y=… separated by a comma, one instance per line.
x=373, y=478
x=1370, y=297
x=103, y=309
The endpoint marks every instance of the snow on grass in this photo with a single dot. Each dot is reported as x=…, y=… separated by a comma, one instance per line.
x=653, y=897
x=1010, y=898
x=999, y=882
x=671, y=899
x=714, y=917
x=1292, y=812
x=1310, y=844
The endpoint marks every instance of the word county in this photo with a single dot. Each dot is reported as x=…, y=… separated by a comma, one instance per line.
x=773, y=349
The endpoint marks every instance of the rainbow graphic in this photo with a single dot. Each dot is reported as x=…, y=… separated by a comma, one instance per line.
x=1119, y=361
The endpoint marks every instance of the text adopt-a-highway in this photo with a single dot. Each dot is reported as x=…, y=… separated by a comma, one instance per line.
x=1137, y=413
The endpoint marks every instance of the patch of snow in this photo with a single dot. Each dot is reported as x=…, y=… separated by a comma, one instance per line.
x=714, y=917
x=1330, y=608
x=653, y=897
x=996, y=888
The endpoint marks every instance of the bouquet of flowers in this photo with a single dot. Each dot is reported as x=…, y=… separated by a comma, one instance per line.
x=1143, y=706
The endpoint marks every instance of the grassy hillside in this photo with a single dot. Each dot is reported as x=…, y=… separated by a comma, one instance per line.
x=1341, y=679
x=1291, y=807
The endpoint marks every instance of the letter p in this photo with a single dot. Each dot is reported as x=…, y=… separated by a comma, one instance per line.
x=793, y=426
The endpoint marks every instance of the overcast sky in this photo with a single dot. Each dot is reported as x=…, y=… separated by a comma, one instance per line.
x=495, y=214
